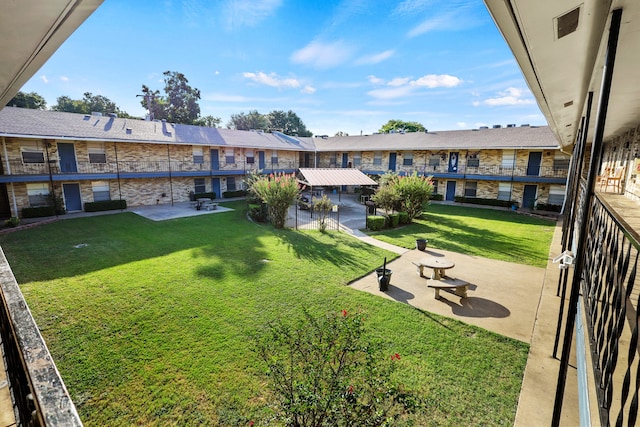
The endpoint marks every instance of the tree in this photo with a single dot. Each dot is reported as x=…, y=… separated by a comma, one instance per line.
x=405, y=193
x=288, y=123
x=28, y=100
x=278, y=191
x=208, y=121
x=252, y=120
x=90, y=103
x=179, y=105
x=401, y=126
x=340, y=133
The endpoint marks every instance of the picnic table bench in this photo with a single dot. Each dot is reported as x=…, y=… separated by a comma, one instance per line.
x=439, y=281
x=453, y=286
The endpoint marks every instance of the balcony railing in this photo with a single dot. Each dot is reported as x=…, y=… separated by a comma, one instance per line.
x=39, y=395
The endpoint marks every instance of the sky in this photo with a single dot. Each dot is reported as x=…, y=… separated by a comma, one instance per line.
x=341, y=66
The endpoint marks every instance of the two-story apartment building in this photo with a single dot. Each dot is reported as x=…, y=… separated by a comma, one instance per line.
x=85, y=158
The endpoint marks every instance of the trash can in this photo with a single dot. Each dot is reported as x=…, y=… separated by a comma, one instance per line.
x=384, y=278
x=421, y=244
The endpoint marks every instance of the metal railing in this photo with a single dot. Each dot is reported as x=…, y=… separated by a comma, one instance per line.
x=40, y=397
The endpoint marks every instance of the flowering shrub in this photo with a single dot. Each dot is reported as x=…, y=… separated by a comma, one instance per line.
x=323, y=206
x=326, y=372
x=278, y=191
x=407, y=193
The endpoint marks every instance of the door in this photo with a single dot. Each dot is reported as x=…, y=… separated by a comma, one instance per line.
x=261, y=160
x=67, y=154
x=529, y=196
x=453, y=162
x=72, y=199
x=345, y=159
x=215, y=186
x=215, y=160
x=392, y=162
x=307, y=160
x=533, y=166
x=451, y=191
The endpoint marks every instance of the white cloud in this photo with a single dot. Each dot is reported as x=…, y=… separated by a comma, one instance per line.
x=391, y=93
x=399, y=81
x=64, y=78
x=510, y=96
x=437, y=80
x=272, y=80
x=375, y=58
x=308, y=89
x=375, y=80
x=432, y=24
x=323, y=55
x=44, y=79
x=411, y=6
x=461, y=125
x=247, y=13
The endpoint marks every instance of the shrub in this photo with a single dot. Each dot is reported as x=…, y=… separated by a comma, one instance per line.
x=325, y=371
x=14, y=221
x=486, y=202
x=105, y=205
x=258, y=212
x=548, y=207
x=375, y=222
x=404, y=217
x=394, y=220
x=236, y=193
x=278, y=191
x=209, y=195
x=323, y=206
x=436, y=196
x=38, y=212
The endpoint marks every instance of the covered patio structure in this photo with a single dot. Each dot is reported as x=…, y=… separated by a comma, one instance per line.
x=334, y=177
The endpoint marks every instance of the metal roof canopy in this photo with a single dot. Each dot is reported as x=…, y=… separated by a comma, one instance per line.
x=334, y=177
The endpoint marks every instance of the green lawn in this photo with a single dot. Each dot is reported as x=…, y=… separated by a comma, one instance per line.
x=490, y=233
x=148, y=322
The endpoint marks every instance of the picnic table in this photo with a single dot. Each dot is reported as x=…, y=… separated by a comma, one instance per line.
x=439, y=280
x=437, y=264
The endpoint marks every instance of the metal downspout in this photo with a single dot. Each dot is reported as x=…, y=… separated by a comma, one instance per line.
x=596, y=153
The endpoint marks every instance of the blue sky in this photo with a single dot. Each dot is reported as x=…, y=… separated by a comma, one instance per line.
x=345, y=66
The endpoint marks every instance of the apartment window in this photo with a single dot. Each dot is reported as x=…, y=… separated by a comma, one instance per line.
x=377, y=158
x=556, y=195
x=357, y=159
x=274, y=157
x=333, y=159
x=470, y=188
x=97, y=153
x=434, y=160
x=32, y=154
x=250, y=158
x=38, y=194
x=199, y=185
x=473, y=161
x=229, y=156
x=434, y=182
x=100, y=191
x=231, y=183
x=198, y=156
x=508, y=159
x=407, y=158
x=560, y=162
x=504, y=191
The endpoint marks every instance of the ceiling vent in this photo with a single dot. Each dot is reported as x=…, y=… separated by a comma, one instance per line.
x=567, y=23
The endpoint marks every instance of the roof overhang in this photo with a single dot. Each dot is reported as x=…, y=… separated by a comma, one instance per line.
x=562, y=70
x=334, y=177
x=30, y=32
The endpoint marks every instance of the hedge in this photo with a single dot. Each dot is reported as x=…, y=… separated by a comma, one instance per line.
x=548, y=207
x=38, y=212
x=436, y=196
x=375, y=222
x=394, y=219
x=236, y=193
x=209, y=195
x=404, y=217
x=105, y=205
x=481, y=201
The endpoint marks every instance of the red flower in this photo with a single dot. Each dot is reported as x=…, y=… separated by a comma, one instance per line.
x=344, y=313
x=395, y=356
x=251, y=423
x=350, y=391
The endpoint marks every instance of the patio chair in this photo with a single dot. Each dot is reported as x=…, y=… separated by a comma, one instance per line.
x=613, y=180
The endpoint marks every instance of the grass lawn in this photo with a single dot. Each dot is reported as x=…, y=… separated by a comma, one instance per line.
x=148, y=322
x=490, y=233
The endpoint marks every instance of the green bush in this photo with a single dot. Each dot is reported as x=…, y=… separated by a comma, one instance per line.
x=548, y=207
x=375, y=222
x=486, y=202
x=436, y=196
x=38, y=212
x=14, y=221
x=394, y=219
x=258, y=212
x=105, y=205
x=210, y=195
x=236, y=193
x=404, y=217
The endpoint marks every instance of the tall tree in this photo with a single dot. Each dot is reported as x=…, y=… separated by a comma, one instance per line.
x=288, y=123
x=87, y=105
x=180, y=103
x=208, y=121
x=28, y=100
x=249, y=121
x=402, y=126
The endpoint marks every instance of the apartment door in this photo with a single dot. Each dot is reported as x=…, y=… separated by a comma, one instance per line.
x=215, y=187
x=67, y=154
x=392, y=161
x=345, y=159
x=450, y=195
x=533, y=166
x=261, y=163
x=215, y=160
x=529, y=196
x=72, y=199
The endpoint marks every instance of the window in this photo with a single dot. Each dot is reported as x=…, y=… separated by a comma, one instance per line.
x=560, y=162
x=508, y=159
x=434, y=160
x=333, y=159
x=504, y=191
x=250, y=158
x=231, y=183
x=274, y=157
x=377, y=158
x=434, y=182
x=199, y=185
x=229, y=157
x=470, y=188
x=556, y=195
x=473, y=161
x=357, y=159
x=407, y=159
x=38, y=194
x=32, y=153
x=198, y=156
x=97, y=152
x=100, y=191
